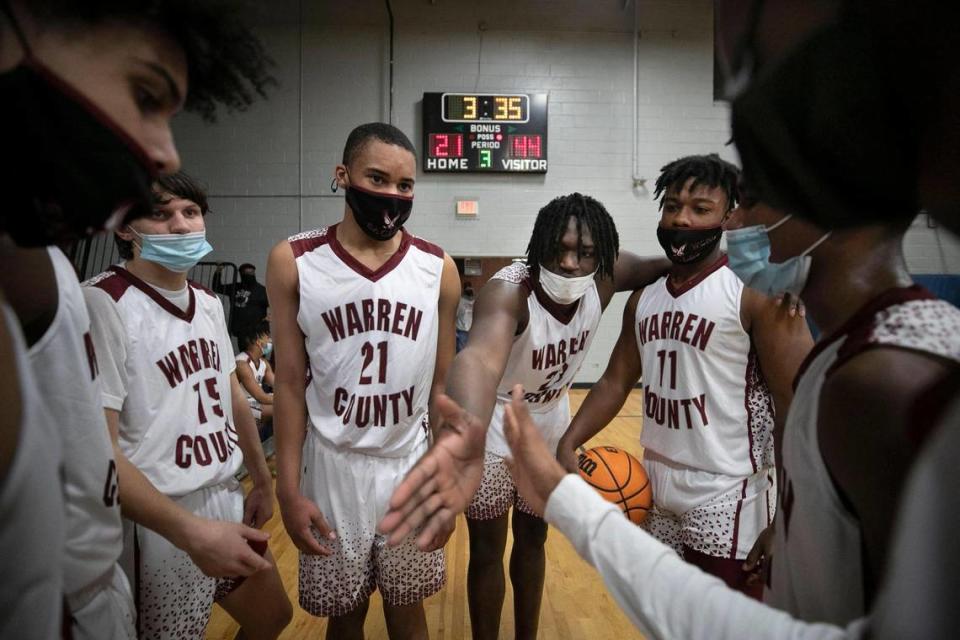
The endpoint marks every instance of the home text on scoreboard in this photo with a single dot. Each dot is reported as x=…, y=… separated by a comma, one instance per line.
x=485, y=132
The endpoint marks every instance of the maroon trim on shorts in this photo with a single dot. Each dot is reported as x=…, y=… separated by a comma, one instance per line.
x=360, y=268
x=727, y=569
x=150, y=292
x=747, y=390
x=226, y=586
x=859, y=327
x=136, y=580
x=677, y=291
x=736, y=520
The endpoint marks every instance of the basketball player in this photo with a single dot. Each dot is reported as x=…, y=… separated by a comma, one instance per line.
x=253, y=369
x=851, y=420
x=88, y=97
x=364, y=321
x=181, y=427
x=715, y=359
x=533, y=324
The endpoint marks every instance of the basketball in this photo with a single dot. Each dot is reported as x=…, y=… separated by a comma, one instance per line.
x=619, y=478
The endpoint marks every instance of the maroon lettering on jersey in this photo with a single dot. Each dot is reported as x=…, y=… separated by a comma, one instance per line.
x=676, y=325
x=201, y=449
x=375, y=410
x=91, y=356
x=171, y=370
x=192, y=356
x=675, y=413
x=368, y=314
x=551, y=355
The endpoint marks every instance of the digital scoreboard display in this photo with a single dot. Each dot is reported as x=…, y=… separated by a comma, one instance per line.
x=485, y=132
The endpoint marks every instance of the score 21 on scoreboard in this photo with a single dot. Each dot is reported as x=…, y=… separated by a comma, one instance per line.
x=481, y=132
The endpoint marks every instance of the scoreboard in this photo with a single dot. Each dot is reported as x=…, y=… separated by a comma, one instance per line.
x=485, y=132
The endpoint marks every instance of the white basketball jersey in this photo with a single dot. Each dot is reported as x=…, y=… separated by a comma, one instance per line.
x=64, y=359
x=31, y=513
x=176, y=422
x=544, y=358
x=371, y=339
x=817, y=572
x=706, y=404
x=259, y=371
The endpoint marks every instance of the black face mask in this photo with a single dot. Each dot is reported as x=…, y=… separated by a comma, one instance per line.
x=684, y=246
x=248, y=279
x=380, y=216
x=71, y=171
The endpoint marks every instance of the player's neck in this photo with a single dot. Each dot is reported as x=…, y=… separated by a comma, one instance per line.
x=358, y=244
x=680, y=274
x=845, y=277
x=154, y=274
x=254, y=356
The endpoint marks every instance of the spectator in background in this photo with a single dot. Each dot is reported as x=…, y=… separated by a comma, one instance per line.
x=253, y=369
x=249, y=298
x=464, y=315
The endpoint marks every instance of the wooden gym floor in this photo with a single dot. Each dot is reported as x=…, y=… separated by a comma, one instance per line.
x=575, y=603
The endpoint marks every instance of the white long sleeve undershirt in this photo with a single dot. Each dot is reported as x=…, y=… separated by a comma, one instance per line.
x=661, y=594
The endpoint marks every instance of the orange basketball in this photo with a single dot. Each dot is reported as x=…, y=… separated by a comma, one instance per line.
x=619, y=478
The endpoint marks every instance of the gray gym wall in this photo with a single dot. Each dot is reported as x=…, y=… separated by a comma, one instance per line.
x=268, y=170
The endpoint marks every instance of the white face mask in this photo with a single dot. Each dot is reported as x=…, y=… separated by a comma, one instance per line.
x=564, y=290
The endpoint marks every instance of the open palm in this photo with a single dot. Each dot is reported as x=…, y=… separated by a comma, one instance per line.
x=443, y=481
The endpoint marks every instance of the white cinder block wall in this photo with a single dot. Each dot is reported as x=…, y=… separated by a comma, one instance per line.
x=269, y=169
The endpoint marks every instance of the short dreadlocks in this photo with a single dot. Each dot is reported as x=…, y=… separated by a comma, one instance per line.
x=552, y=223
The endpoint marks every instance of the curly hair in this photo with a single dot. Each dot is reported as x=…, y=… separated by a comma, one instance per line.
x=227, y=64
x=710, y=170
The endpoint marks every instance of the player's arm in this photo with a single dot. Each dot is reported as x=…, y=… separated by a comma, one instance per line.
x=631, y=272
x=258, y=506
x=782, y=341
x=446, y=334
x=662, y=595
x=248, y=381
x=268, y=379
x=289, y=401
x=863, y=423
x=609, y=393
x=443, y=482
x=476, y=371
x=219, y=548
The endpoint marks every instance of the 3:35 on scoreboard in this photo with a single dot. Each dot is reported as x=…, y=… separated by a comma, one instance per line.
x=484, y=132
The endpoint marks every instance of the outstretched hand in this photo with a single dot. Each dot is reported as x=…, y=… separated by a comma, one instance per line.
x=535, y=471
x=443, y=481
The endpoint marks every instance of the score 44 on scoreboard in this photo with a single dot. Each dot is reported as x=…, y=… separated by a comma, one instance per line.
x=485, y=132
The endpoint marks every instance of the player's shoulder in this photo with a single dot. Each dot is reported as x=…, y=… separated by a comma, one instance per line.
x=108, y=285
x=201, y=290
x=307, y=241
x=425, y=246
x=516, y=274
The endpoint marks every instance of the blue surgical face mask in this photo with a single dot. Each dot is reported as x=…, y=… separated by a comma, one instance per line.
x=177, y=252
x=748, y=253
x=267, y=349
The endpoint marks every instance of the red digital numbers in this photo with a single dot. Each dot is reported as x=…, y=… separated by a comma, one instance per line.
x=446, y=145
x=525, y=147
